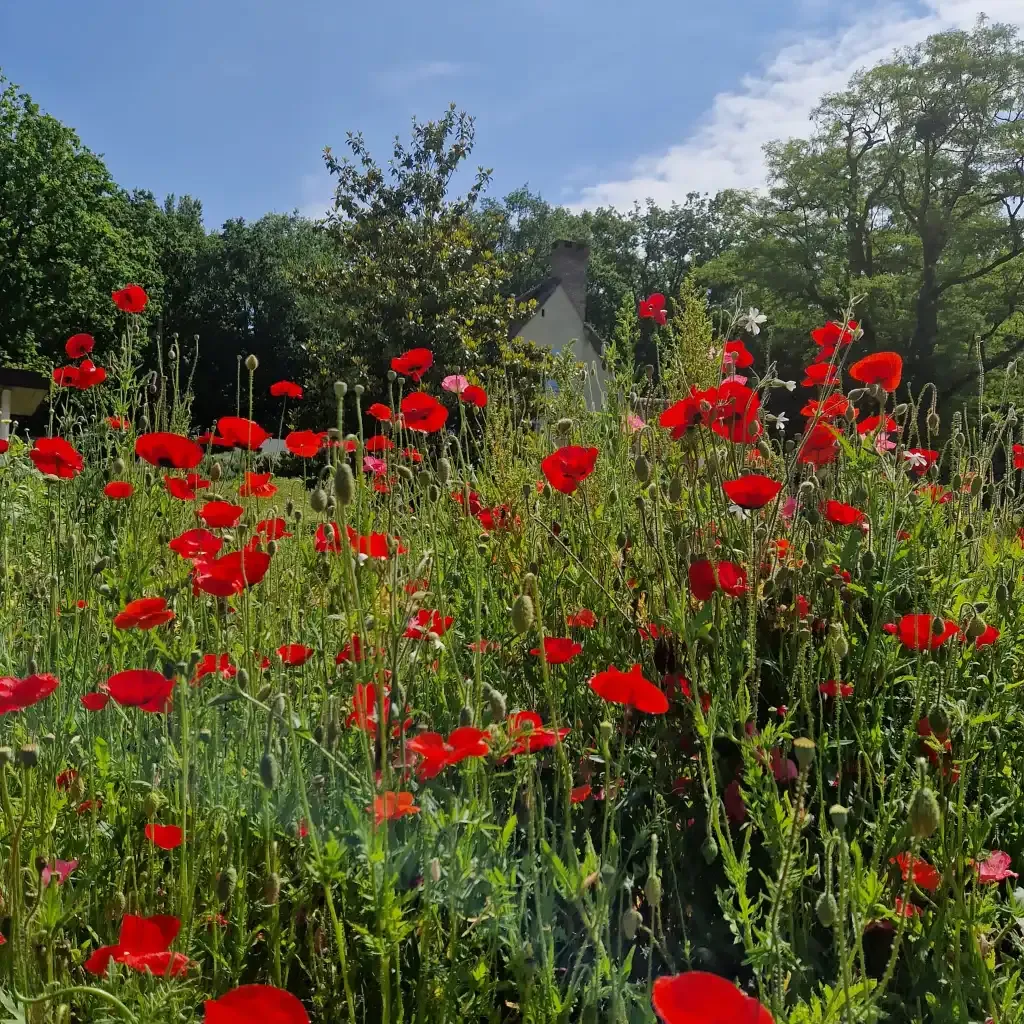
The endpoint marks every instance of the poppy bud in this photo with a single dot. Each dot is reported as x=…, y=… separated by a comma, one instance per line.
x=1002, y=593
x=938, y=720
x=269, y=772
x=709, y=850
x=205, y=736
x=812, y=516
x=652, y=890
x=345, y=484
x=6, y=756
x=340, y=389
x=976, y=486
x=117, y=467
x=642, y=468
x=222, y=838
x=934, y=422
x=251, y=363
x=226, y=881
x=33, y=666
x=497, y=705
x=28, y=756
x=116, y=905
x=522, y=614
x=956, y=482
x=630, y=921
x=272, y=888
x=465, y=715
x=152, y=803
x=605, y=731
x=839, y=815
x=318, y=500
x=803, y=751
x=444, y=472
x=826, y=909
x=435, y=870
x=545, y=492
x=976, y=627
x=790, y=446
x=867, y=561
x=359, y=389
x=924, y=813
x=216, y=470
x=563, y=428
x=404, y=472
x=810, y=550
x=433, y=492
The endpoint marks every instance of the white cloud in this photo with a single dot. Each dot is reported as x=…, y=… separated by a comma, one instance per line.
x=725, y=151
x=402, y=78
x=317, y=192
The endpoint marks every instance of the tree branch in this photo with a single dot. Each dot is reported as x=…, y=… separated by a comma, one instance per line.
x=995, y=363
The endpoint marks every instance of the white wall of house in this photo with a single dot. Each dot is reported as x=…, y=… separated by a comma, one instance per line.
x=557, y=324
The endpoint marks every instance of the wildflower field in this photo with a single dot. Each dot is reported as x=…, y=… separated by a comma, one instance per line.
x=461, y=710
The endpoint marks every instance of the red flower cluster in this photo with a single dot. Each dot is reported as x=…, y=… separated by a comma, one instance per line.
x=438, y=753
x=922, y=632
x=558, y=650
x=286, y=389
x=730, y=410
x=528, y=734
x=231, y=573
x=706, y=577
x=426, y=622
x=82, y=377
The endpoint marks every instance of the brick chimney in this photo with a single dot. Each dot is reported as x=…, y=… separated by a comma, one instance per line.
x=569, y=264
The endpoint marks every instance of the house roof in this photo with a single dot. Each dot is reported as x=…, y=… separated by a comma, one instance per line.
x=540, y=292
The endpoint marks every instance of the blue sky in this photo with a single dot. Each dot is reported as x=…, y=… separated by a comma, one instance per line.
x=588, y=101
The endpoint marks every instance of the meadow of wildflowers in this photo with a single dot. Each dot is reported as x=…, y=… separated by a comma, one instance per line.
x=459, y=710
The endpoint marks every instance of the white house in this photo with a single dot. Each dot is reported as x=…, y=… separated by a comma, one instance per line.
x=559, y=318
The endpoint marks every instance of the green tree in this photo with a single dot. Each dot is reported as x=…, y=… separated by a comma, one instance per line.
x=910, y=194
x=67, y=236
x=408, y=264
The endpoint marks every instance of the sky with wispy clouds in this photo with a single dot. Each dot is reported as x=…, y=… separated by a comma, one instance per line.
x=589, y=102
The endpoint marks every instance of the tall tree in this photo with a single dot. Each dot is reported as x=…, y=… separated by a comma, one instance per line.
x=909, y=193
x=67, y=236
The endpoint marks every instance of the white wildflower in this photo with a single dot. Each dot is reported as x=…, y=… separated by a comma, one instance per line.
x=753, y=319
x=780, y=421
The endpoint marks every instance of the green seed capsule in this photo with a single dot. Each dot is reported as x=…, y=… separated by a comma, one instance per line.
x=444, y=472
x=522, y=614
x=270, y=773
x=675, y=489
x=924, y=813
x=709, y=850
x=642, y=469
x=630, y=922
x=826, y=909
x=318, y=500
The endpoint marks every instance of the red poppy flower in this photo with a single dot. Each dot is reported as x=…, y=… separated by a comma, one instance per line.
x=143, y=945
x=705, y=578
x=422, y=412
x=18, y=694
x=734, y=413
x=4, y=446
x=995, y=869
x=630, y=688
x=987, y=637
x=351, y=652
x=832, y=335
x=833, y=688
x=172, y=451
x=294, y=655
x=247, y=1003
x=820, y=445
x=497, y=518
x=528, y=733
x=412, y=454
x=273, y=529
x=1018, y=456
x=79, y=345
x=94, y=701
x=144, y=613
x=167, y=837
x=872, y=423
x=178, y=488
x=130, y=299
x=364, y=707
x=141, y=688
x=374, y=545
x=221, y=514
x=558, y=650
x=683, y=415
x=210, y=664
x=841, y=514
x=922, y=459
x=196, y=543
x=65, y=779
x=568, y=467
x=882, y=368
x=380, y=411
x=238, y=432
x=116, y=423
x=918, y=632
x=737, y=356
x=89, y=375
x=391, y=806
x=926, y=876
x=939, y=494
x=751, y=490
x=257, y=485
x=696, y=997
x=820, y=375
x=653, y=308
x=474, y=395
x=328, y=538
x=53, y=456
x=231, y=573
x=285, y=389
x=304, y=443
x=118, y=489
x=469, y=500
x=438, y=753
x=583, y=619
x=836, y=405
x=379, y=443
x=413, y=363
x=425, y=622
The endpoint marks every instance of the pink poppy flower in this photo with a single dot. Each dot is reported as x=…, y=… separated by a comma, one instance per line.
x=455, y=383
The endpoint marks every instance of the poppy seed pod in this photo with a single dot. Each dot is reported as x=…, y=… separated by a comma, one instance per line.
x=839, y=815
x=803, y=751
x=675, y=489
x=403, y=471
x=359, y=389
x=522, y=613
x=465, y=716
x=340, y=389
x=28, y=756
x=152, y=803
x=318, y=500
x=433, y=492
x=116, y=905
x=251, y=363
x=345, y=484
